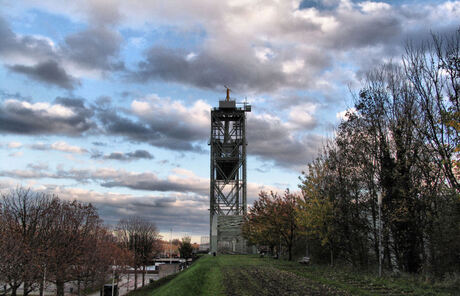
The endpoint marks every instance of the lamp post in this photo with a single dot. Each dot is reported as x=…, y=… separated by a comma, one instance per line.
x=113, y=277
x=379, y=202
x=306, y=244
x=170, y=247
x=44, y=282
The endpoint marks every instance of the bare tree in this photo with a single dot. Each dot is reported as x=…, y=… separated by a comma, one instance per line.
x=22, y=250
x=100, y=254
x=41, y=234
x=142, y=238
x=434, y=72
x=72, y=228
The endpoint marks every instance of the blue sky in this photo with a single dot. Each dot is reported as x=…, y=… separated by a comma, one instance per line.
x=108, y=101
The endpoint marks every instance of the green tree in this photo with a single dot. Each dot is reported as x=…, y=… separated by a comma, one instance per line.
x=257, y=227
x=272, y=220
x=185, y=247
x=401, y=141
x=315, y=212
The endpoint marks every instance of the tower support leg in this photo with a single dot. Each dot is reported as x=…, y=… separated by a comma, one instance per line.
x=213, y=234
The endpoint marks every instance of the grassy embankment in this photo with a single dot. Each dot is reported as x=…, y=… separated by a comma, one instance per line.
x=202, y=278
x=250, y=275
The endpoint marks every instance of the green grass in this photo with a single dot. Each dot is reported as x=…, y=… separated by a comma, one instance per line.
x=204, y=277
x=251, y=275
x=147, y=290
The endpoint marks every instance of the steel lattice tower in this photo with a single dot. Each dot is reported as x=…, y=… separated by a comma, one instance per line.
x=228, y=175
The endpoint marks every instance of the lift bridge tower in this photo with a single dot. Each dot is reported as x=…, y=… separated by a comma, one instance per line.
x=228, y=202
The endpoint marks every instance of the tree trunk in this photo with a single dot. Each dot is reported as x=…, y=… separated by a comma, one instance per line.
x=59, y=288
x=135, y=277
x=387, y=253
x=143, y=275
x=332, y=257
x=25, y=289
x=14, y=288
x=375, y=231
x=78, y=287
x=41, y=288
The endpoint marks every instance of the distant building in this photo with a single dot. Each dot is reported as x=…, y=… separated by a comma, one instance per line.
x=204, y=244
x=169, y=248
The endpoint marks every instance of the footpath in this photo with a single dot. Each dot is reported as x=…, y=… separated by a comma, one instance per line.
x=125, y=285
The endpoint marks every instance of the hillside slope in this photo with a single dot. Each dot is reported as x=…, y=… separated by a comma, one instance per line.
x=249, y=275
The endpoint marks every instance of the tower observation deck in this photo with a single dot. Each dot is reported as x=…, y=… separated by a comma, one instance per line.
x=228, y=202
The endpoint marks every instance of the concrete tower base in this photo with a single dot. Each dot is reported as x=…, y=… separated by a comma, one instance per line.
x=229, y=236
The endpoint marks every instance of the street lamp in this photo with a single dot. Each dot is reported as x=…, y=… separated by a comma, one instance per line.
x=170, y=247
x=113, y=276
x=379, y=202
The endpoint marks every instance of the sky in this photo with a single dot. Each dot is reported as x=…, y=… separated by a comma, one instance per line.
x=108, y=101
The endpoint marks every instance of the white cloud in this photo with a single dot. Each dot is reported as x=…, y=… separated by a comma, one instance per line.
x=342, y=115
x=327, y=23
x=181, y=182
x=153, y=107
x=263, y=54
x=138, y=41
x=293, y=66
x=303, y=116
x=140, y=107
x=374, y=7
x=190, y=56
x=64, y=147
x=248, y=34
x=45, y=109
x=59, y=146
x=14, y=145
x=288, y=144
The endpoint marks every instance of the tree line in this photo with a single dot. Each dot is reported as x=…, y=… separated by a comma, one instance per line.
x=400, y=144
x=44, y=239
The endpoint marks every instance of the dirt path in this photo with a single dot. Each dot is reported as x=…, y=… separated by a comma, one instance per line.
x=265, y=280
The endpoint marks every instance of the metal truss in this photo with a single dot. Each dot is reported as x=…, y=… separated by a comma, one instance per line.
x=228, y=161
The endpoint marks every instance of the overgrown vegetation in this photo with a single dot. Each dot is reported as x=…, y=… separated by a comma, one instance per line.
x=400, y=141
